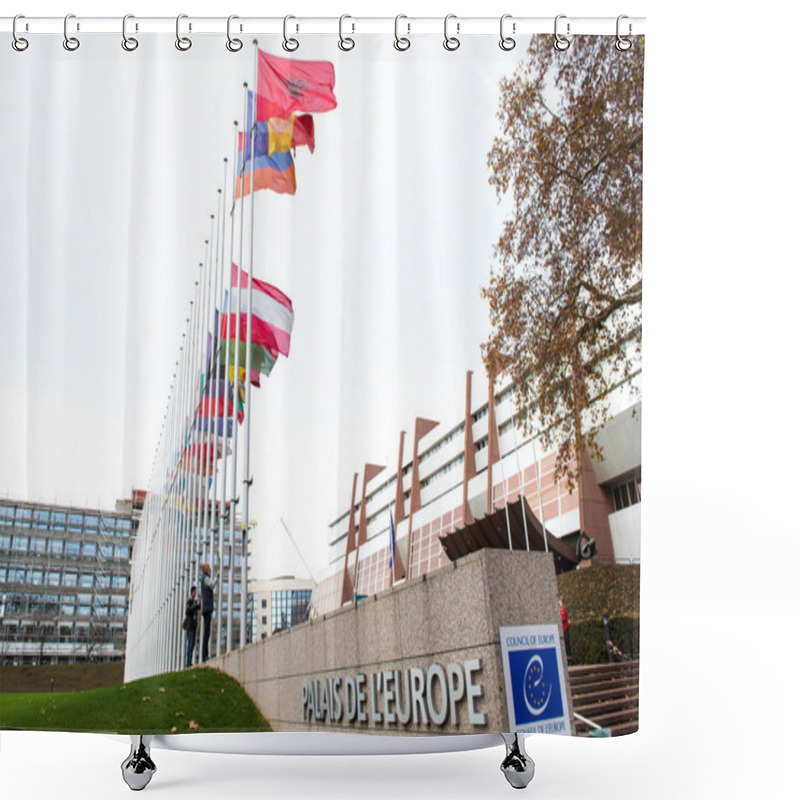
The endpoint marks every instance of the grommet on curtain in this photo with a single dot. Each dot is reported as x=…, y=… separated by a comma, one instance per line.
x=450, y=42
x=183, y=43
x=290, y=44
x=401, y=42
x=560, y=42
x=345, y=42
x=19, y=43
x=506, y=42
x=70, y=42
x=233, y=45
x=622, y=44
x=129, y=43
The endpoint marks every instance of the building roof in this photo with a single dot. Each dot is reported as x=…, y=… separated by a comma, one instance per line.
x=495, y=529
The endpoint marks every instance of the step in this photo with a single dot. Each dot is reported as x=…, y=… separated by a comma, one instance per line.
x=591, y=711
x=602, y=691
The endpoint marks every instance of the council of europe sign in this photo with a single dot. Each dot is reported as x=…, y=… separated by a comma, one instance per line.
x=534, y=676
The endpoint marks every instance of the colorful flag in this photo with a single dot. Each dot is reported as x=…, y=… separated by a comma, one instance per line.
x=261, y=359
x=303, y=131
x=274, y=172
x=272, y=313
x=286, y=85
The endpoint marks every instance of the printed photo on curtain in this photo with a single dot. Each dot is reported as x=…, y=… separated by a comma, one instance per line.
x=320, y=385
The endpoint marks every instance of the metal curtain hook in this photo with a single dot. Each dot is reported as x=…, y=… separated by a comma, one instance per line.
x=233, y=45
x=345, y=42
x=560, y=42
x=129, y=43
x=183, y=43
x=451, y=42
x=401, y=42
x=622, y=44
x=290, y=44
x=506, y=42
x=18, y=42
x=70, y=42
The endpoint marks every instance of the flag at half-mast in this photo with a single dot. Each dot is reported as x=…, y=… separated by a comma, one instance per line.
x=272, y=314
x=287, y=85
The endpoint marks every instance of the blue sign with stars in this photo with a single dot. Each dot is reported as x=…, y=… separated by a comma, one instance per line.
x=535, y=685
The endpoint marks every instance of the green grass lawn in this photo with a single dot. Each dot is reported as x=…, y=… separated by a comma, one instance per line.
x=192, y=701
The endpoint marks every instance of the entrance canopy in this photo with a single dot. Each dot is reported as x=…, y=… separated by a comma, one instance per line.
x=508, y=529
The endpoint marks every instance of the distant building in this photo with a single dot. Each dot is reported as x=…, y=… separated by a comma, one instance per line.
x=461, y=474
x=64, y=581
x=280, y=603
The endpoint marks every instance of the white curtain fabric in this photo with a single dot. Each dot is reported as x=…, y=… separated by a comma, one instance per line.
x=111, y=165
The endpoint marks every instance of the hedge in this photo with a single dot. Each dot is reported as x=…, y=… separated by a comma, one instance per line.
x=592, y=592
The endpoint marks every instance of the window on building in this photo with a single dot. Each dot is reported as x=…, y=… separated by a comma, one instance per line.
x=53, y=578
x=35, y=576
x=56, y=547
x=58, y=521
x=89, y=549
x=289, y=607
x=73, y=549
x=70, y=579
x=264, y=619
x=75, y=522
x=67, y=610
x=38, y=544
x=24, y=517
x=106, y=550
x=41, y=518
x=84, y=611
x=86, y=580
x=6, y=515
x=20, y=544
x=16, y=575
x=120, y=582
x=121, y=551
x=5, y=541
x=3, y=574
x=90, y=522
x=263, y=604
x=626, y=494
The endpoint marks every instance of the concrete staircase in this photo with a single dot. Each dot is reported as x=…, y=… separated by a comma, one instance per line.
x=608, y=695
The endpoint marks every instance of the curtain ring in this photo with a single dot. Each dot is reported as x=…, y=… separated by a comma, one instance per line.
x=451, y=42
x=560, y=42
x=70, y=42
x=129, y=43
x=290, y=44
x=401, y=42
x=233, y=45
x=506, y=42
x=183, y=43
x=18, y=42
x=622, y=44
x=345, y=42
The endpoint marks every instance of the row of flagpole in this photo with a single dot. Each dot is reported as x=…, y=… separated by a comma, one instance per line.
x=184, y=522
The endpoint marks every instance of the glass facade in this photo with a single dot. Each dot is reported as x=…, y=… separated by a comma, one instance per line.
x=64, y=580
x=289, y=607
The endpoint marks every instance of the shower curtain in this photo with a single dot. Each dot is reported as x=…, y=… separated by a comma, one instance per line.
x=321, y=383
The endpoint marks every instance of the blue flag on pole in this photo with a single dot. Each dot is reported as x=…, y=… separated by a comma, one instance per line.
x=391, y=539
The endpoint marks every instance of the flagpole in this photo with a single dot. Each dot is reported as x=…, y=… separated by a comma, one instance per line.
x=227, y=359
x=234, y=462
x=248, y=480
x=223, y=383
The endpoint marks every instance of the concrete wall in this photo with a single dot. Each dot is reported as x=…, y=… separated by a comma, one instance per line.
x=448, y=618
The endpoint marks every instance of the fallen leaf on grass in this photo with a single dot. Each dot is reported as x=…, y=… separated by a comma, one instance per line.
x=193, y=725
x=162, y=690
x=180, y=714
x=173, y=729
x=145, y=699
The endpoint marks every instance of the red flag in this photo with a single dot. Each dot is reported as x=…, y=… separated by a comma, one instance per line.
x=303, y=131
x=286, y=85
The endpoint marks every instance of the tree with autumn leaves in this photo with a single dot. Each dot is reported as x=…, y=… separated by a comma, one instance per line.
x=565, y=293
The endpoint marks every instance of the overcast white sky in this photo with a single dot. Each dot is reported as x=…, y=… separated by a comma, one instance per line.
x=111, y=164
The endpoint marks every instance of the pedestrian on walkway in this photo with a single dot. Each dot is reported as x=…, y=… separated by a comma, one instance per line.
x=190, y=625
x=207, y=585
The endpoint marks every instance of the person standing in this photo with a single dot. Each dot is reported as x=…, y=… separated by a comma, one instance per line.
x=565, y=627
x=192, y=606
x=207, y=585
